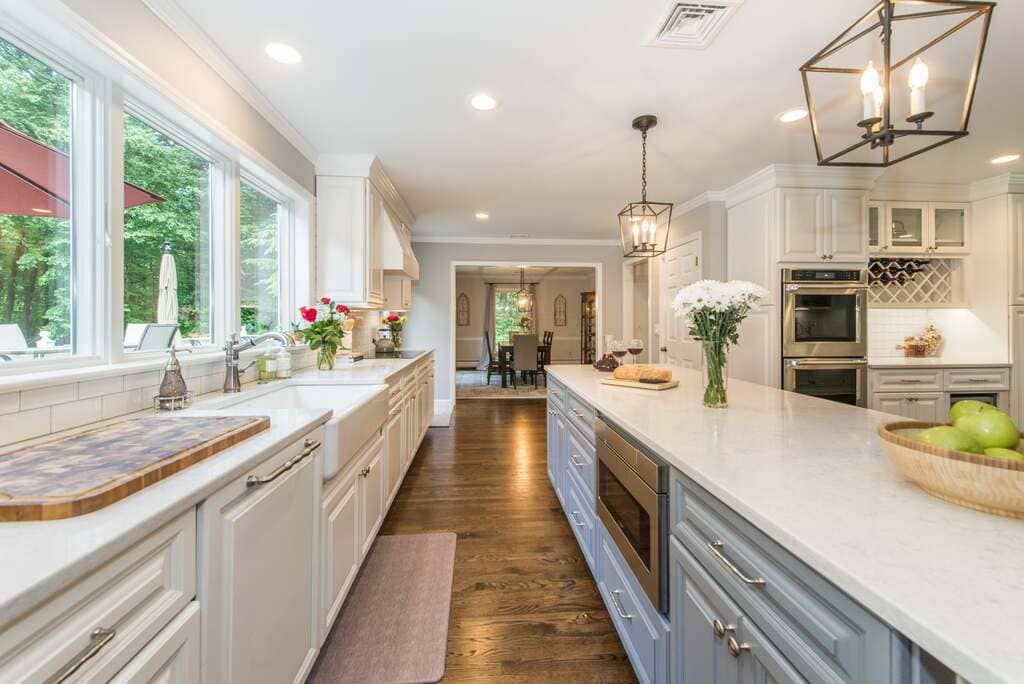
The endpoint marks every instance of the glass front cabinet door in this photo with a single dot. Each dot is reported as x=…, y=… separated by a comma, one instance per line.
x=906, y=225
x=876, y=236
x=950, y=228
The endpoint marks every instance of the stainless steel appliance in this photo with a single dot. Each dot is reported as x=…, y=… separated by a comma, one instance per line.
x=632, y=502
x=842, y=380
x=824, y=333
x=824, y=313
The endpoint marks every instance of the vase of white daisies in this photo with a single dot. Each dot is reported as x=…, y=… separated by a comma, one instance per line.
x=713, y=311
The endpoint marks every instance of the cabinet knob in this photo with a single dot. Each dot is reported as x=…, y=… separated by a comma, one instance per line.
x=721, y=629
x=735, y=647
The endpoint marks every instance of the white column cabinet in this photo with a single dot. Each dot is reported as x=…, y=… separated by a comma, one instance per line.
x=822, y=225
x=372, y=494
x=258, y=582
x=397, y=293
x=341, y=543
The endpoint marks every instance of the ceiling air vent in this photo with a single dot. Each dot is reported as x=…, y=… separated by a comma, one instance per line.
x=692, y=25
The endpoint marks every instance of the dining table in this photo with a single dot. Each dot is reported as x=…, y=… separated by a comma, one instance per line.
x=506, y=359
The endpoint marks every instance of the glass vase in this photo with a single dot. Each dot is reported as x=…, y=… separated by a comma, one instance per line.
x=716, y=379
x=325, y=358
x=396, y=339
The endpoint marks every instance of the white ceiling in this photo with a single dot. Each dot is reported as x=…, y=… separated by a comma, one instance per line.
x=558, y=157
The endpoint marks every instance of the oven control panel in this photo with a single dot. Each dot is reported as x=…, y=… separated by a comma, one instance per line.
x=823, y=276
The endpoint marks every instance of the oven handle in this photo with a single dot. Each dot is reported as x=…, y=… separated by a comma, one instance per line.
x=820, y=363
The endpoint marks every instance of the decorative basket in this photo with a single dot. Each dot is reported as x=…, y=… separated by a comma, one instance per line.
x=992, y=485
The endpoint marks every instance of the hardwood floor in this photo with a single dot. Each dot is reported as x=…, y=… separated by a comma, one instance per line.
x=525, y=607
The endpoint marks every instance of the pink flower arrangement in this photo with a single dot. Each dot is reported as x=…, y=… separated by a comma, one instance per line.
x=325, y=331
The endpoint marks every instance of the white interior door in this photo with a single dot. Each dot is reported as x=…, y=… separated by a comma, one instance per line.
x=680, y=266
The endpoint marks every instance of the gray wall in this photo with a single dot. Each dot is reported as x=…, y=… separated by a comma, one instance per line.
x=430, y=320
x=710, y=220
x=143, y=35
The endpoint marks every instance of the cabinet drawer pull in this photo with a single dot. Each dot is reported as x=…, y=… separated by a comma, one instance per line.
x=720, y=628
x=556, y=393
x=99, y=638
x=578, y=464
x=735, y=647
x=618, y=606
x=911, y=381
x=576, y=412
x=576, y=519
x=257, y=480
x=977, y=381
x=716, y=547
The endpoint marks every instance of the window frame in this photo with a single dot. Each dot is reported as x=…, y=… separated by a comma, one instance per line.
x=285, y=229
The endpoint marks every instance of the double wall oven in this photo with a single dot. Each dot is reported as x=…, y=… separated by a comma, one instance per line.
x=824, y=333
x=632, y=502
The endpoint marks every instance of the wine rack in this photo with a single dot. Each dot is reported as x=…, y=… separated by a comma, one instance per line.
x=915, y=282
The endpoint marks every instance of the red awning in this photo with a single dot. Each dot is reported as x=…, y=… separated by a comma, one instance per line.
x=35, y=178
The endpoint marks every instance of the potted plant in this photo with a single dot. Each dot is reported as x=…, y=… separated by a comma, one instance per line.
x=325, y=330
x=395, y=325
x=713, y=311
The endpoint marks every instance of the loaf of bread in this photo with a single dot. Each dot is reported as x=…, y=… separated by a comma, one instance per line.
x=635, y=372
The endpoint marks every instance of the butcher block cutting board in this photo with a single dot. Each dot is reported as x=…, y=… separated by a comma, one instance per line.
x=659, y=387
x=82, y=473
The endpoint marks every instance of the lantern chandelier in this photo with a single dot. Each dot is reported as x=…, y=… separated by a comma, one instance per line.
x=644, y=225
x=877, y=117
x=523, y=299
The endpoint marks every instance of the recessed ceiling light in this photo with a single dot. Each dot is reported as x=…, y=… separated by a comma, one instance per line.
x=792, y=115
x=482, y=215
x=1006, y=159
x=483, y=102
x=285, y=54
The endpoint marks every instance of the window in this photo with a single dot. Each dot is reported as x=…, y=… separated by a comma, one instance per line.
x=508, y=318
x=259, y=219
x=167, y=241
x=35, y=209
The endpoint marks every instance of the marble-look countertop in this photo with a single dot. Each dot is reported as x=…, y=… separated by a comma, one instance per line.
x=931, y=362
x=812, y=475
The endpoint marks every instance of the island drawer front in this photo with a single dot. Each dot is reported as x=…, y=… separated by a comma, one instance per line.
x=556, y=393
x=977, y=379
x=582, y=416
x=136, y=595
x=899, y=380
x=581, y=457
x=643, y=632
x=826, y=635
x=582, y=517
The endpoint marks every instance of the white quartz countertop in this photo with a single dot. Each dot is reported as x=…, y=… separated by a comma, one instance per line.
x=931, y=362
x=812, y=475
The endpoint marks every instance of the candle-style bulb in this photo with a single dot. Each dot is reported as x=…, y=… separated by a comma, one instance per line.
x=918, y=74
x=869, y=80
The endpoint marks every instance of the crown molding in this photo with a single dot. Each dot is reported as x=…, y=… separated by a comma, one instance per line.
x=179, y=21
x=1004, y=184
x=800, y=176
x=370, y=167
x=909, y=191
x=699, y=201
x=453, y=240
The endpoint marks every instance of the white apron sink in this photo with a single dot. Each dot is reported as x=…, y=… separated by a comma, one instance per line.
x=359, y=412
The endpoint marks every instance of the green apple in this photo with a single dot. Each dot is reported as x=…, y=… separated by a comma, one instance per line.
x=949, y=438
x=990, y=429
x=1008, y=454
x=968, y=406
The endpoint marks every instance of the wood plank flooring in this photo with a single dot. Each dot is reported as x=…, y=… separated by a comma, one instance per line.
x=525, y=607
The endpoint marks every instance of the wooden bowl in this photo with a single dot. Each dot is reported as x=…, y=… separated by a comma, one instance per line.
x=992, y=485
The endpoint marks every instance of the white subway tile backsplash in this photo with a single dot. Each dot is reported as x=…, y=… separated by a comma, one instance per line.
x=10, y=402
x=15, y=427
x=137, y=380
x=48, y=396
x=119, y=404
x=76, y=413
x=97, y=388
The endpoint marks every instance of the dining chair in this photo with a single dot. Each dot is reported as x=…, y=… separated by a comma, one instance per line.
x=549, y=337
x=525, y=355
x=493, y=365
x=543, y=360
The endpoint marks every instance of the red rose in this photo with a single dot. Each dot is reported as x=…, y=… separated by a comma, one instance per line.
x=342, y=309
x=393, y=317
x=325, y=300
x=308, y=314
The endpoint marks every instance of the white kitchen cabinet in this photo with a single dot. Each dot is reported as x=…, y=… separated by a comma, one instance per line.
x=922, y=228
x=1017, y=370
x=822, y=225
x=350, y=218
x=397, y=293
x=394, y=442
x=259, y=574
x=1017, y=250
x=341, y=543
x=876, y=217
x=373, y=498
x=930, y=406
x=170, y=658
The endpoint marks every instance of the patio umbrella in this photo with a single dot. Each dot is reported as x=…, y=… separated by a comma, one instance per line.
x=35, y=179
x=167, y=299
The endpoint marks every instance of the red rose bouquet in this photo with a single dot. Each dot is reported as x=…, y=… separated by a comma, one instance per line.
x=395, y=325
x=325, y=330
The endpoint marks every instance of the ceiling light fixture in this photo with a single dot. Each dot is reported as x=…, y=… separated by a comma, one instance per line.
x=483, y=102
x=880, y=131
x=793, y=115
x=482, y=216
x=285, y=54
x=643, y=225
x=522, y=294
x=1006, y=159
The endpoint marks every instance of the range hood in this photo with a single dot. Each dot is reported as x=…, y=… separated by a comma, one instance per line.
x=397, y=257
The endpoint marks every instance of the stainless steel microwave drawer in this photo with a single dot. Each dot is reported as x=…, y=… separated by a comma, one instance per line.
x=824, y=633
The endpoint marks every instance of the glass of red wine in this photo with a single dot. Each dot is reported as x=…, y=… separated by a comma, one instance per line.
x=618, y=349
x=636, y=348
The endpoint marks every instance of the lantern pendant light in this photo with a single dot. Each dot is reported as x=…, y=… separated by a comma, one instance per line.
x=522, y=295
x=882, y=136
x=643, y=225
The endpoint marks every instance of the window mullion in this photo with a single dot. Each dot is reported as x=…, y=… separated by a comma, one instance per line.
x=114, y=273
